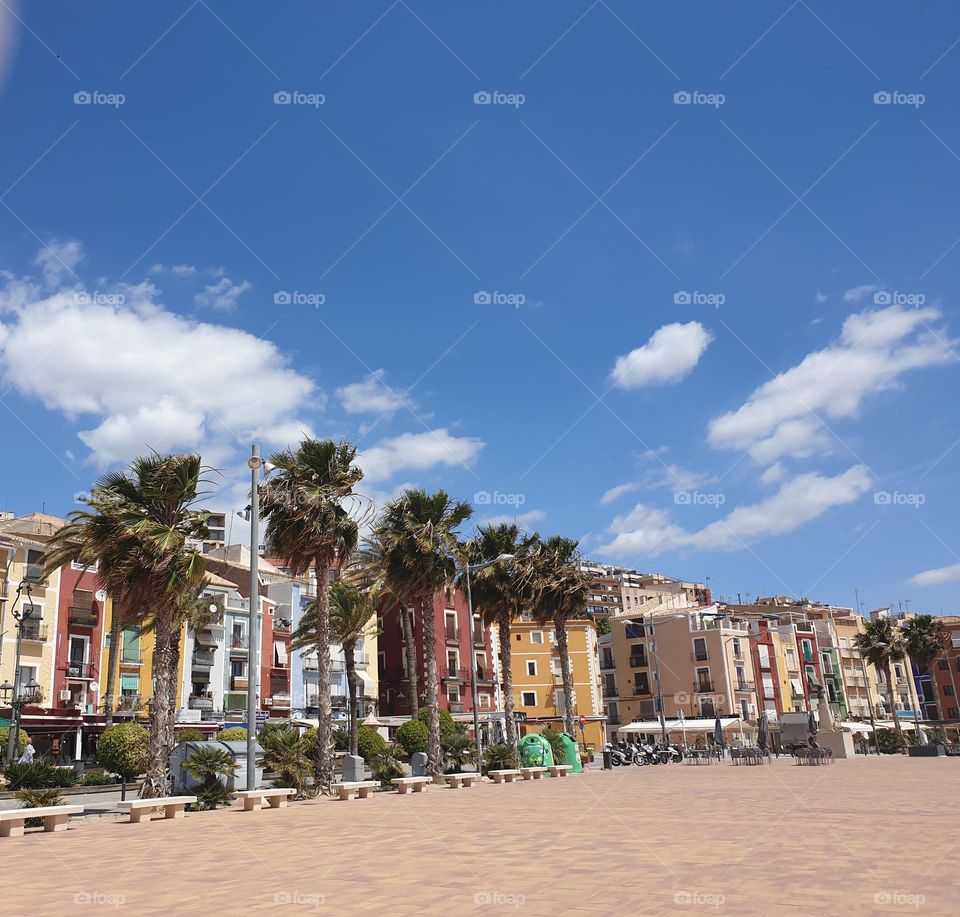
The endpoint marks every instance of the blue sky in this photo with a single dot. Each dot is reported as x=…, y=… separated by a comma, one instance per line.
x=678, y=282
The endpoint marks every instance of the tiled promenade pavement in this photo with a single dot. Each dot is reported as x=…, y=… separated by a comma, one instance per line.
x=860, y=837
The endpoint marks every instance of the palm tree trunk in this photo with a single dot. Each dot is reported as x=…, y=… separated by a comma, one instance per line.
x=434, y=750
x=161, y=739
x=116, y=632
x=174, y=672
x=893, y=703
x=560, y=625
x=410, y=647
x=506, y=657
x=350, y=662
x=325, y=713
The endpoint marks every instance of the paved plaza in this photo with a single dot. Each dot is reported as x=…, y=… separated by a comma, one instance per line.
x=862, y=837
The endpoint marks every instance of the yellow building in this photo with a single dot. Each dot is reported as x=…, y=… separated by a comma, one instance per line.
x=537, y=682
x=133, y=675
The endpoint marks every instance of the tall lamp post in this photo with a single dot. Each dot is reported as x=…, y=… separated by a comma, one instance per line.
x=254, y=463
x=468, y=569
x=17, y=697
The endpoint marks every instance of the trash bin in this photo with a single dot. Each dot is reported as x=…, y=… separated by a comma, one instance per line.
x=535, y=751
x=572, y=752
x=184, y=782
x=607, y=760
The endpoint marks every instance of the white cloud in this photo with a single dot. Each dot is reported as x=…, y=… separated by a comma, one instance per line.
x=674, y=477
x=372, y=395
x=774, y=474
x=223, y=294
x=856, y=294
x=651, y=531
x=56, y=260
x=782, y=416
x=178, y=270
x=668, y=357
x=821, y=297
x=417, y=451
x=937, y=575
x=525, y=521
x=615, y=493
x=138, y=377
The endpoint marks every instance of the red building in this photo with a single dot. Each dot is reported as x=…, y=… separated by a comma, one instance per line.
x=80, y=619
x=457, y=639
x=764, y=655
x=946, y=674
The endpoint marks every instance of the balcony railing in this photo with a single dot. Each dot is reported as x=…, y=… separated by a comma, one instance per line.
x=239, y=684
x=129, y=702
x=203, y=660
x=200, y=702
x=699, y=657
x=641, y=690
x=746, y=686
x=280, y=664
x=281, y=700
x=606, y=662
x=456, y=707
x=82, y=616
x=639, y=662
x=457, y=674
x=452, y=634
x=703, y=686
x=33, y=630
x=79, y=670
x=131, y=659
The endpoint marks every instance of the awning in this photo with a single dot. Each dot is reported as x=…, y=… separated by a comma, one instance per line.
x=281, y=650
x=368, y=685
x=205, y=638
x=797, y=687
x=857, y=727
x=697, y=725
x=812, y=679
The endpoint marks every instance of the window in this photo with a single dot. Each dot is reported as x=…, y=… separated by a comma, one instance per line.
x=806, y=647
x=555, y=666
x=485, y=701
x=238, y=668
x=559, y=702
x=948, y=690
x=954, y=713
x=745, y=709
x=453, y=694
x=700, y=649
x=769, y=692
x=450, y=623
x=737, y=651
x=536, y=636
x=531, y=666
x=131, y=644
x=641, y=683
x=943, y=664
x=129, y=684
x=528, y=699
x=634, y=631
x=763, y=651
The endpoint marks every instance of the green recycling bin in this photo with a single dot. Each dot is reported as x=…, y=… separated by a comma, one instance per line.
x=572, y=752
x=535, y=751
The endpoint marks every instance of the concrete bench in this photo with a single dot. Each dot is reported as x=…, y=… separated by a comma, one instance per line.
x=358, y=788
x=504, y=776
x=277, y=798
x=532, y=773
x=455, y=781
x=172, y=806
x=560, y=770
x=403, y=784
x=55, y=818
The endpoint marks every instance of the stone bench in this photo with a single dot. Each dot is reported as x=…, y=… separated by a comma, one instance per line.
x=403, y=784
x=55, y=818
x=360, y=789
x=560, y=770
x=532, y=773
x=277, y=798
x=172, y=806
x=504, y=776
x=455, y=781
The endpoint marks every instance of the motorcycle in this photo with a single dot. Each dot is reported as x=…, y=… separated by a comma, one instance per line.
x=669, y=753
x=618, y=757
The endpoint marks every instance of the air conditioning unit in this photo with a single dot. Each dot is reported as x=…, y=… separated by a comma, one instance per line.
x=268, y=702
x=65, y=694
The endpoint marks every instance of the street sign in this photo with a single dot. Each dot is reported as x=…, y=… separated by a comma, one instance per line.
x=583, y=720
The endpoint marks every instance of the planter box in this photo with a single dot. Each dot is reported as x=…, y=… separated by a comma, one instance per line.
x=926, y=751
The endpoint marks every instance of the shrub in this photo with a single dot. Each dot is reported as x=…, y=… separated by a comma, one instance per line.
x=212, y=767
x=98, y=778
x=123, y=749
x=385, y=764
x=232, y=734
x=38, y=799
x=369, y=743
x=285, y=753
x=556, y=745
x=458, y=750
x=448, y=725
x=412, y=736
x=498, y=758
x=39, y=775
x=189, y=735
x=22, y=739
x=341, y=739
x=890, y=742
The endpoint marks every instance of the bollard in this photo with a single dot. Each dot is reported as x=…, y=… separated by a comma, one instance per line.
x=352, y=768
x=418, y=764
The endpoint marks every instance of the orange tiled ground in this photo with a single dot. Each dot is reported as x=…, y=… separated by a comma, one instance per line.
x=863, y=836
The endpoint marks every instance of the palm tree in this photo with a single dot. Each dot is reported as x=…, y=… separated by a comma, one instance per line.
x=417, y=534
x=139, y=534
x=352, y=617
x=881, y=644
x=307, y=523
x=500, y=593
x=561, y=587
x=926, y=639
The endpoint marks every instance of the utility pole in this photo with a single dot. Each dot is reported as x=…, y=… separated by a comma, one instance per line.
x=253, y=653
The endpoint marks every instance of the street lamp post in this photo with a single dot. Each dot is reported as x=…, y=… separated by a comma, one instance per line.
x=254, y=463
x=468, y=569
x=18, y=699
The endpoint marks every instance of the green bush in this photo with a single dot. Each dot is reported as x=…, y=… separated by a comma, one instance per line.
x=123, y=749
x=890, y=742
x=39, y=775
x=38, y=799
x=412, y=736
x=385, y=764
x=369, y=743
x=448, y=725
x=22, y=739
x=232, y=734
x=556, y=745
x=458, y=751
x=286, y=755
x=212, y=767
x=98, y=778
x=189, y=735
x=498, y=758
x=341, y=739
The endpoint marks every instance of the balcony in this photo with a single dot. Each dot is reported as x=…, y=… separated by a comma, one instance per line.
x=282, y=626
x=451, y=634
x=607, y=663
x=238, y=645
x=131, y=659
x=79, y=670
x=639, y=662
x=699, y=657
x=33, y=630
x=280, y=665
x=456, y=707
x=311, y=665
x=200, y=702
x=457, y=674
x=641, y=690
x=703, y=686
x=281, y=700
x=82, y=615
x=746, y=686
x=239, y=684
x=484, y=676
x=129, y=703
x=203, y=659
